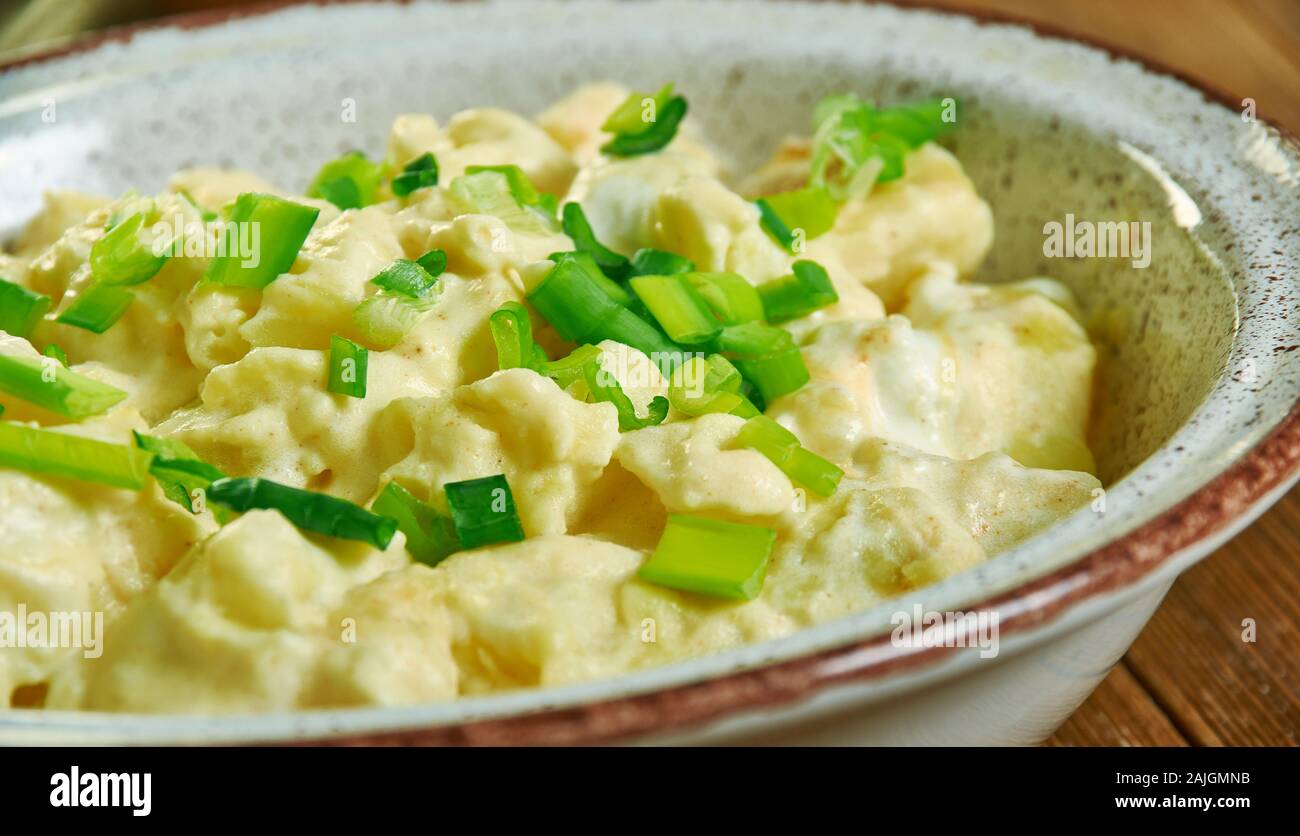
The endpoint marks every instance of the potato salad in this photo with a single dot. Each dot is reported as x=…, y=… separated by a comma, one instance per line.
x=510, y=403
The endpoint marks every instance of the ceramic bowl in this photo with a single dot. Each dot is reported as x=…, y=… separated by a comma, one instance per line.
x=1196, y=428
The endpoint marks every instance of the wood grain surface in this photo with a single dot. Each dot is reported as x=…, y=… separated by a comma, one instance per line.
x=1191, y=678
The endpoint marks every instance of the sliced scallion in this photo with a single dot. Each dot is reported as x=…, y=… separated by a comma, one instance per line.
x=637, y=131
x=280, y=226
x=419, y=173
x=348, y=182
x=766, y=356
x=678, y=308
x=525, y=194
x=710, y=557
x=51, y=386
x=488, y=192
x=86, y=459
x=179, y=471
x=483, y=512
x=405, y=278
x=349, y=365
x=704, y=385
x=315, y=512
x=804, y=290
x=651, y=262
x=577, y=227
x=732, y=299
x=430, y=537
x=20, y=309
x=97, y=308
x=604, y=387
x=783, y=449
x=53, y=350
x=121, y=258
x=811, y=209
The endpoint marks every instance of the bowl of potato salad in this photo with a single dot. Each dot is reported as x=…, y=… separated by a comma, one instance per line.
x=572, y=373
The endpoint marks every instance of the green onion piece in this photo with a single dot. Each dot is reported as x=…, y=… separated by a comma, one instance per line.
x=775, y=226
x=121, y=258
x=483, y=512
x=711, y=557
x=613, y=289
x=731, y=298
x=651, y=262
x=279, y=227
x=512, y=332
x=568, y=370
x=434, y=262
x=315, y=512
x=811, y=209
x=572, y=298
x=633, y=134
x=206, y=214
x=584, y=240
x=405, y=278
x=706, y=385
x=20, y=309
x=178, y=469
x=53, y=350
x=348, y=182
x=766, y=356
x=97, y=308
x=855, y=145
x=782, y=447
x=383, y=320
x=49, y=385
x=430, y=537
x=523, y=190
x=605, y=387
x=488, y=193
x=678, y=308
x=807, y=288
x=59, y=454
x=349, y=363
x=419, y=173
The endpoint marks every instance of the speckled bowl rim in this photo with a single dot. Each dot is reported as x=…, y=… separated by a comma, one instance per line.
x=1191, y=527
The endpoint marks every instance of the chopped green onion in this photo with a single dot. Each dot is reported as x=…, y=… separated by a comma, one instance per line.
x=731, y=298
x=766, y=356
x=348, y=182
x=59, y=454
x=522, y=189
x=855, y=145
x=316, y=512
x=419, y=173
x=705, y=385
x=572, y=298
x=20, y=309
x=180, y=472
x=775, y=227
x=613, y=289
x=405, y=278
x=568, y=370
x=52, y=350
x=121, y=258
x=483, y=512
x=637, y=131
x=430, y=537
x=384, y=320
x=279, y=229
x=97, y=308
x=651, y=262
x=577, y=227
x=811, y=209
x=407, y=291
x=512, y=332
x=205, y=214
x=49, y=385
x=604, y=387
x=710, y=557
x=488, y=193
x=804, y=290
x=783, y=449
x=434, y=262
x=678, y=308
x=349, y=363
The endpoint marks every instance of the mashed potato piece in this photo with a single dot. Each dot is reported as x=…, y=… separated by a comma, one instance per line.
x=957, y=411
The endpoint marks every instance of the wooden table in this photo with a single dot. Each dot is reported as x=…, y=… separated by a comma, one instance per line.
x=1190, y=679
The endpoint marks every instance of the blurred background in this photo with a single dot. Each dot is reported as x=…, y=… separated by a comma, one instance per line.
x=1226, y=691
